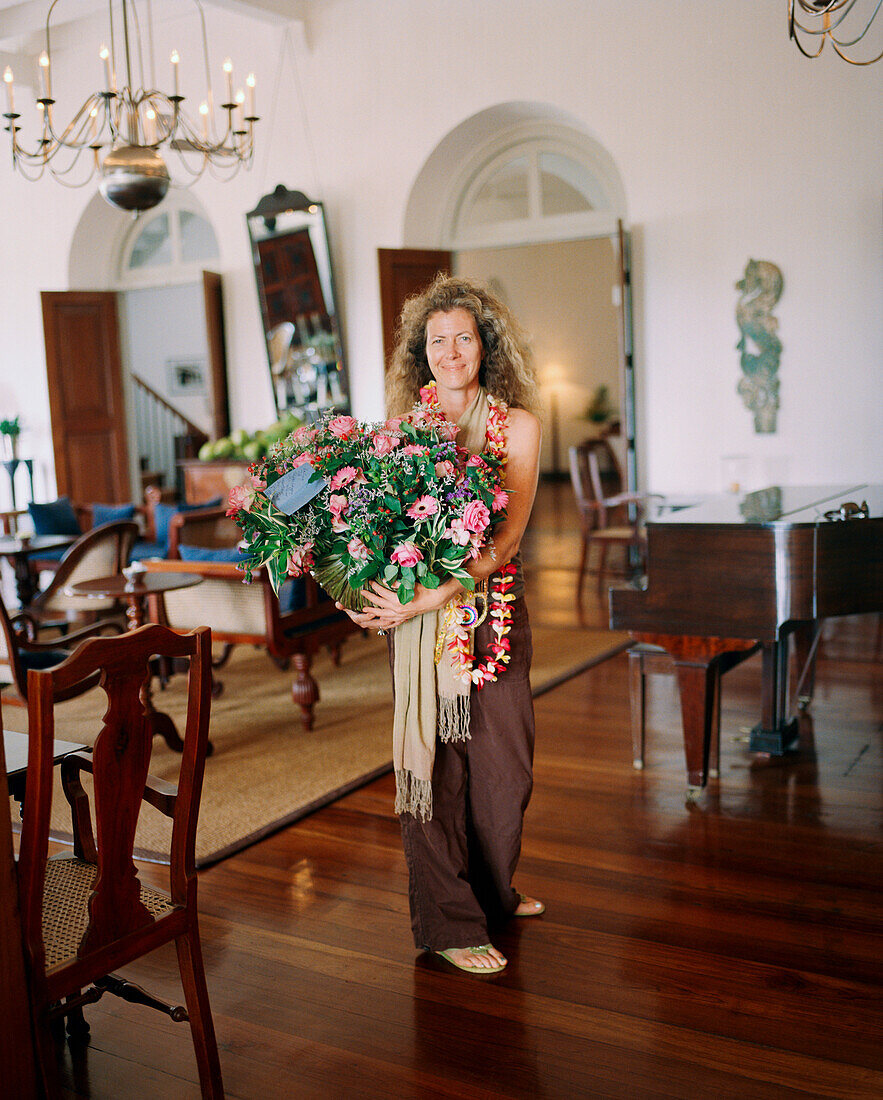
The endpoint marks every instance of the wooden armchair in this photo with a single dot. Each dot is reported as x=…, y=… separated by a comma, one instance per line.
x=609, y=516
x=85, y=914
x=19, y=652
x=240, y=613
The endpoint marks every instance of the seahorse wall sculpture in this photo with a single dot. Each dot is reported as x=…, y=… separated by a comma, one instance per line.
x=761, y=287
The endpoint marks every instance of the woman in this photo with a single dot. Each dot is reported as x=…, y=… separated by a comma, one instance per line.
x=461, y=858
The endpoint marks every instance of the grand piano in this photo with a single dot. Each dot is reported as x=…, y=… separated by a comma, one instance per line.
x=737, y=573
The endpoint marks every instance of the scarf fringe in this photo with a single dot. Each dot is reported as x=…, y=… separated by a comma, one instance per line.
x=453, y=717
x=413, y=795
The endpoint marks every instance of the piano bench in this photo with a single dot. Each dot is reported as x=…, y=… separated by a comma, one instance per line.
x=645, y=660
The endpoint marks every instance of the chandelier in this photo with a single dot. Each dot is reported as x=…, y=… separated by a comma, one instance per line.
x=121, y=131
x=827, y=21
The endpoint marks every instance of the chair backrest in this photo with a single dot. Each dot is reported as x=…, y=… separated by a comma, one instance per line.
x=595, y=476
x=119, y=763
x=101, y=552
x=10, y=667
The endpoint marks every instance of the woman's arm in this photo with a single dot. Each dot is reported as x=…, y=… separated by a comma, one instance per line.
x=522, y=471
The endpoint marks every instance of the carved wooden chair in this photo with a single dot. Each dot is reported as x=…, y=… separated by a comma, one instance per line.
x=609, y=516
x=86, y=914
x=249, y=614
x=101, y=552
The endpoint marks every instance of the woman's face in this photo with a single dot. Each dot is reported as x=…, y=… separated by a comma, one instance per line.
x=453, y=350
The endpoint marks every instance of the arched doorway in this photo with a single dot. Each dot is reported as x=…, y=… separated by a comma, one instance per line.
x=525, y=199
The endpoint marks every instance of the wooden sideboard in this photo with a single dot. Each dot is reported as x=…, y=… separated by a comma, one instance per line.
x=209, y=480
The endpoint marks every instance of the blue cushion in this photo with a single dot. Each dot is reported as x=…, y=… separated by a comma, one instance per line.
x=162, y=515
x=143, y=550
x=292, y=595
x=55, y=518
x=210, y=553
x=111, y=513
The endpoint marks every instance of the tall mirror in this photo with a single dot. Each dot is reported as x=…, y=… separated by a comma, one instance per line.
x=292, y=263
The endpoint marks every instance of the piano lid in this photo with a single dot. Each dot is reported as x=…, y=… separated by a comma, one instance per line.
x=790, y=504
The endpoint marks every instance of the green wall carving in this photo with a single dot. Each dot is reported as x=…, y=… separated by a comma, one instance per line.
x=760, y=347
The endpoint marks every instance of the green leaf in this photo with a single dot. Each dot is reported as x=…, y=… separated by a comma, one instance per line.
x=431, y=581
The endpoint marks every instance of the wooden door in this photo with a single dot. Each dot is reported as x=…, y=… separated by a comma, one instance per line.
x=403, y=272
x=214, y=329
x=84, y=375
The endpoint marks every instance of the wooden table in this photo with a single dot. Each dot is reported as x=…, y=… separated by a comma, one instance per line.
x=18, y=550
x=15, y=747
x=135, y=593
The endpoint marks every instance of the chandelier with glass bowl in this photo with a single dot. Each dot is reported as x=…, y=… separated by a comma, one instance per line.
x=122, y=130
x=829, y=21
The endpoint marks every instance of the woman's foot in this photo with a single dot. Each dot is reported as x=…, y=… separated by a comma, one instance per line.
x=528, y=907
x=475, y=960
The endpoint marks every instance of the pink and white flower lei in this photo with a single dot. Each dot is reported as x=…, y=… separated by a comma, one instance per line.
x=500, y=612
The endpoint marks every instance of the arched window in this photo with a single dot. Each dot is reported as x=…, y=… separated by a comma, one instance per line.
x=535, y=189
x=170, y=245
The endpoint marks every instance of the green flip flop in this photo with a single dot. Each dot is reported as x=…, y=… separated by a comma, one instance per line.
x=481, y=971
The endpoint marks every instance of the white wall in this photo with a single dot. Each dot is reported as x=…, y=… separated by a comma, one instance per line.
x=730, y=145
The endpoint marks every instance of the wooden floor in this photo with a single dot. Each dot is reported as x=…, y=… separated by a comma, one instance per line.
x=733, y=948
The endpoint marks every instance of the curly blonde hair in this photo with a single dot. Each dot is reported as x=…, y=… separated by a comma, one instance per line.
x=506, y=369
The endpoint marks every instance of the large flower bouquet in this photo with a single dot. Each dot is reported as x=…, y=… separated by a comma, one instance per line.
x=396, y=501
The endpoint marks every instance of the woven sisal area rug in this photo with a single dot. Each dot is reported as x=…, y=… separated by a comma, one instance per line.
x=266, y=770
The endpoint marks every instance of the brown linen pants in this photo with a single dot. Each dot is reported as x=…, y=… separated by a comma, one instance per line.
x=461, y=862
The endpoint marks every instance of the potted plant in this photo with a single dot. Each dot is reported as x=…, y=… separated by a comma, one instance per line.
x=10, y=430
x=599, y=409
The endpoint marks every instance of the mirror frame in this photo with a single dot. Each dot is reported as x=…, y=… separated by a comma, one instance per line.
x=331, y=378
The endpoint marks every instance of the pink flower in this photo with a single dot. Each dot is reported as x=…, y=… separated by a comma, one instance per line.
x=357, y=549
x=301, y=460
x=258, y=482
x=393, y=424
x=343, y=426
x=337, y=504
x=426, y=506
x=445, y=468
x=300, y=559
x=427, y=394
x=241, y=499
x=339, y=525
x=405, y=554
x=449, y=429
x=383, y=444
x=414, y=449
x=477, y=461
x=343, y=477
x=476, y=517
x=501, y=499
x=457, y=533
x=303, y=435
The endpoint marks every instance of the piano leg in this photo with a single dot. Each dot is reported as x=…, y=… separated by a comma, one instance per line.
x=775, y=734
x=806, y=644
x=699, y=684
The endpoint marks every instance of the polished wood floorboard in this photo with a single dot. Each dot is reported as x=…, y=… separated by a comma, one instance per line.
x=733, y=948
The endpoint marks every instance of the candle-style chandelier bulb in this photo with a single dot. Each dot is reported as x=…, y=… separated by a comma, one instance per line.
x=125, y=130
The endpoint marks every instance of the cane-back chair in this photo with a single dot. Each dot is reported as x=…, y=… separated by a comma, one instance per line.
x=101, y=552
x=87, y=913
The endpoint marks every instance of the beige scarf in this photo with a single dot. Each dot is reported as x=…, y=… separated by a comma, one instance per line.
x=429, y=698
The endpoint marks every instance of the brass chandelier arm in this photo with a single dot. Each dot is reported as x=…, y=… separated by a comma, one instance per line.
x=829, y=16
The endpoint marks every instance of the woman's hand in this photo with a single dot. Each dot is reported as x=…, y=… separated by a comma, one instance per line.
x=381, y=609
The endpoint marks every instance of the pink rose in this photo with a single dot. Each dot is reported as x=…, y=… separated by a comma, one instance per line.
x=414, y=449
x=343, y=477
x=383, y=444
x=445, y=468
x=258, y=482
x=501, y=499
x=476, y=517
x=303, y=435
x=393, y=424
x=477, y=461
x=300, y=559
x=301, y=460
x=357, y=549
x=241, y=499
x=343, y=426
x=426, y=506
x=406, y=554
